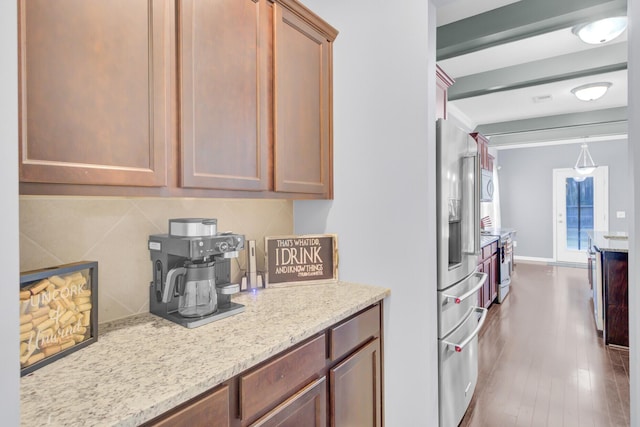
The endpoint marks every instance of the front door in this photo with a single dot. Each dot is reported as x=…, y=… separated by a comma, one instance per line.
x=581, y=205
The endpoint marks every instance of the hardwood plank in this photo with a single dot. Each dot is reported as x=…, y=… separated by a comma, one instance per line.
x=541, y=361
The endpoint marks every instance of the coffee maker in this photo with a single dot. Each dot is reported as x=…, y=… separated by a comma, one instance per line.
x=191, y=282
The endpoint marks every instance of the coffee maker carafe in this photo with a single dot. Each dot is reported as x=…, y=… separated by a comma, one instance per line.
x=191, y=272
x=195, y=285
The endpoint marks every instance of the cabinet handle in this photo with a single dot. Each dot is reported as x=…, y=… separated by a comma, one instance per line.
x=458, y=347
x=457, y=299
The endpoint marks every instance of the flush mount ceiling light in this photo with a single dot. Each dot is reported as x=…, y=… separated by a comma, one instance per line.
x=585, y=164
x=601, y=31
x=591, y=91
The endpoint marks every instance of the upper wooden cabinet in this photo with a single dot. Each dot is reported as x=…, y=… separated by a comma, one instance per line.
x=94, y=84
x=224, y=93
x=486, y=159
x=208, y=98
x=443, y=82
x=302, y=99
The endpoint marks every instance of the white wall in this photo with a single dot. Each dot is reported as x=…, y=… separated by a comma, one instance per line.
x=384, y=177
x=633, y=11
x=9, y=334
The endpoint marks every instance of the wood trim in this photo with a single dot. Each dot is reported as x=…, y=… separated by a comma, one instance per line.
x=308, y=15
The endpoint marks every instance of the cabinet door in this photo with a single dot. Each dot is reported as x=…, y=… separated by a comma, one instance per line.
x=481, y=290
x=494, y=276
x=616, y=298
x=355, y=391
x=95, y=78
x=211, y=410
x=302, y=102
x=486, y=288
x=308, y=407
x=224, y=93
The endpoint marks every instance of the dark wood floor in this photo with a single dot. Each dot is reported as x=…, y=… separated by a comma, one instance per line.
x=541, y=361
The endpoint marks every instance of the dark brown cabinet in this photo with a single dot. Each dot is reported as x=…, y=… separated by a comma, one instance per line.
x=615, y=275
x=355, y=389
x=486, y=159
x=204, y=98
x=488, y=263
x=443, y=82
x=95, y=79
x=333, y=378
x=224, y=79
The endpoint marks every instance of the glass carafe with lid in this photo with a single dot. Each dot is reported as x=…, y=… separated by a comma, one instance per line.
x=195, y=286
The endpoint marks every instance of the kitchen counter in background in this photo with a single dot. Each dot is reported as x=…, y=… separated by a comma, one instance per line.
x=609, y=241
x=142, y=366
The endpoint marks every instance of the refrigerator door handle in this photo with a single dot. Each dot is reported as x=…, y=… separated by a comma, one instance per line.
x=472, y=187
x=458, y=347
x=482, y=278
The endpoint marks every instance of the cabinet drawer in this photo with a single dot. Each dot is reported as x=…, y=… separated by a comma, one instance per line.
x=269, y=384
x=354, y=332
x=308, y=408
x=212, y=408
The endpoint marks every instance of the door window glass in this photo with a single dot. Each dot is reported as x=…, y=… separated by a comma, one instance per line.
x=579, y=212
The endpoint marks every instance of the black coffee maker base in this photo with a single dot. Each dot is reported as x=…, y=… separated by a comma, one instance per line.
x=194, y=322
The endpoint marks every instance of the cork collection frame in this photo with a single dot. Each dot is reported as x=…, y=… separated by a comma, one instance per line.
x=301, y=260
x=58, y=312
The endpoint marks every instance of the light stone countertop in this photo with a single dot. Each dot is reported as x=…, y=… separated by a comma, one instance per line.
x=611, y=241
x=142, y=366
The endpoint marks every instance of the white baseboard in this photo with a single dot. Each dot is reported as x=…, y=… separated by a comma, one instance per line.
x=533, y=259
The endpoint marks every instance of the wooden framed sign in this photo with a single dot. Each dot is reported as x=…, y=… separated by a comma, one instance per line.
x=303, y=259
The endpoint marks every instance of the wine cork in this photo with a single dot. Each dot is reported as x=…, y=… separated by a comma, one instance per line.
x=57, y=280
x=82, y=300
x=43, y=311
x=26, y=318
x=26, y=327
x=84, y=307
x=35, y=358
x=78, y=338
x=51, y=350
x=84, y=293
x=67, y=344
x=46, y=324
x=24, y=295
x=40, y=286
x=86, y=318
x=65, y=317
x=25, y=336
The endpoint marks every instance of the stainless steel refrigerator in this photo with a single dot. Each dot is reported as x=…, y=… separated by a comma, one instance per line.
x=459, y=317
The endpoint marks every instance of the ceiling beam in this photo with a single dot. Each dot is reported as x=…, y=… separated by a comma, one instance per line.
x=603, y=59
x=607, y=122
x=516, y=21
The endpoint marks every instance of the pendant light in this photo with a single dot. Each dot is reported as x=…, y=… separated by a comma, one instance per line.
x=584, y=164
x=601, y=31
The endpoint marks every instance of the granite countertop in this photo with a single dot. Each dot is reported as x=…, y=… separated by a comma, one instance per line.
x=610, y=241
x=142, y=366
x=488, y=239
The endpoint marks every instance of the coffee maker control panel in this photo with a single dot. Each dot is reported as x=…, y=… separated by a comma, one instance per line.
x=218, y=245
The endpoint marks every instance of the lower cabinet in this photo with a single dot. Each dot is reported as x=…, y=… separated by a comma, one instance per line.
x=333, y=378
x=615, y=275
x=355, y=389
x=488, y=263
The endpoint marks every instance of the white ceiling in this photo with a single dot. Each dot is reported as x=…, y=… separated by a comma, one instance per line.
x=520, y=103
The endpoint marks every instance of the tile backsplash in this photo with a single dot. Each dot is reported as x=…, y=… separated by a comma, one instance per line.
x=114, y=232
